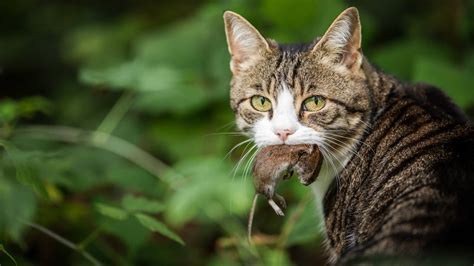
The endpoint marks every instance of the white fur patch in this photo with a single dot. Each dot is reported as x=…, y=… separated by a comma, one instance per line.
x=285, y=117
x=340, y=35
x=343, y=38
x=243, y=35
x=245, y=43
x=284, y=113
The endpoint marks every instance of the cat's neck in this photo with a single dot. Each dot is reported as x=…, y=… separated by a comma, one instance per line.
x=381, y=87
x=327, y=175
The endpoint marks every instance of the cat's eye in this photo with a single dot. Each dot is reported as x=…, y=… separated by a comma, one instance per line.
x=314, y=103
x=261, y=103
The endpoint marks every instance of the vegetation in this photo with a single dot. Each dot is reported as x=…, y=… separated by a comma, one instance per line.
x=117, y=139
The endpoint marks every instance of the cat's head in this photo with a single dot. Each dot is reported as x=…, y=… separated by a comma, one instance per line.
x=299, y=94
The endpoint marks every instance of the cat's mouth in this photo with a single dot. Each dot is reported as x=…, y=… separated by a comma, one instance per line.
x=304, y=160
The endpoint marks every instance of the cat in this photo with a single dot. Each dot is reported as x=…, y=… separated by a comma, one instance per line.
x=398, y=171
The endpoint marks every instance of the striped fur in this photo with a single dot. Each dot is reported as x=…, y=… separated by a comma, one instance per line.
x=409, y=190
x=407, y=187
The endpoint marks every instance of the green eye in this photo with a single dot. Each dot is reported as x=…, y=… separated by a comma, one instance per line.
x=314, y=103
x=261, y=103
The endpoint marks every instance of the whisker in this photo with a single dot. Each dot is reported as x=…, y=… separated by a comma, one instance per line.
x=347, y=131
x=336, y=157
x=227, y=125
x=341, y=154
x=225, y=133
x=349, y=148
x=249, y=163
x=236, y=146
x=349, y=138
x=365, y=123
x=236, y=168
x=340, y=143
x=336, y=170
x=330, y=163
x=243, y=155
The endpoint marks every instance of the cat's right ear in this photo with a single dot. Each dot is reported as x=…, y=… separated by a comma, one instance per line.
x=341, y=44
x=246, y=45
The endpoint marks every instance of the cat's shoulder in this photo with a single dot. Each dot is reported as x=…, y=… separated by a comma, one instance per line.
x=435, y=101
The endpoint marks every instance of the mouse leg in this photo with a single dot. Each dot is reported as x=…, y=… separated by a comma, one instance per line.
x=280, y=200
x=275, y=207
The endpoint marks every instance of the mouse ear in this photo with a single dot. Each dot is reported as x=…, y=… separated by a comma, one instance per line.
x=246, y=45
x=341, y=44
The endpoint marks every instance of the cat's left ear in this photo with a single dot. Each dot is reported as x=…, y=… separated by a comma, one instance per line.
x=246, y=45
x=341, y=44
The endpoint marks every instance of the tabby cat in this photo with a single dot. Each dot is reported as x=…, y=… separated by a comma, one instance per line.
x=398, y=171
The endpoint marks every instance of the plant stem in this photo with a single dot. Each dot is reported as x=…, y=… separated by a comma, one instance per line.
x=64, y=241
x=292, y=220
x=2, y=249
x=91, y=237
x=113, y=144
x=115, y=115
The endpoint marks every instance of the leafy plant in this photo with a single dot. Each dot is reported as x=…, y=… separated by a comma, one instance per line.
x=115, y=129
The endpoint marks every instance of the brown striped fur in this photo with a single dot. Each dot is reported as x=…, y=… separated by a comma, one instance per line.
x=408, y=189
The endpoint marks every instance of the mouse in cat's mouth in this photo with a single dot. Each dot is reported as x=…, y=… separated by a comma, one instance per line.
x=277, y=162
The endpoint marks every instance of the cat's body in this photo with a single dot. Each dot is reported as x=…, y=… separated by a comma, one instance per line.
x=409, y=192
x=399, y=176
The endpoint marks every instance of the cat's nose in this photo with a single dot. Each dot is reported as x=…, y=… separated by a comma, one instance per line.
x=283, y=134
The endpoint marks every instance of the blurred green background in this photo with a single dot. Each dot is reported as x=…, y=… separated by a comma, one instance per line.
x=115, y=129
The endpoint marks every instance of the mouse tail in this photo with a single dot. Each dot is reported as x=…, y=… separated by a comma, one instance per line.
x=250, y=222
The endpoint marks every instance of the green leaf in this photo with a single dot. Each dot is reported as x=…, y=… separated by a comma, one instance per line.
x=27, y=166
x=119, y=76
x=25, y=107
x=110, y=211
x=8, y=110
x=221, y=259
x=305, y=228
x=276, y=257
x=180, y=81
x=450, y=78
x=130, y=231
x=140, y=204
x=276, y=11
x=2, y=249
x=119, y=172
x=91, y=43
x=16, y=203
x=399, y=57
x=156, y=226
x=172, y=136
x=302, y=23
x=29, y=106
x=207, y=191
x=25, y=174
x=176, y=100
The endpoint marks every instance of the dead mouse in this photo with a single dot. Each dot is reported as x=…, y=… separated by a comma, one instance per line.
x=277, y=162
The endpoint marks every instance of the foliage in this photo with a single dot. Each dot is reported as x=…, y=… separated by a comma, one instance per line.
x=115, y=129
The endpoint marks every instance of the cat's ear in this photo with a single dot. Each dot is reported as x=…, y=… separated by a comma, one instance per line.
x=246, y=45
x=341, y=44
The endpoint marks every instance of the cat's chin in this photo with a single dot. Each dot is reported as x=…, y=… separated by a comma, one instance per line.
x=274, y=143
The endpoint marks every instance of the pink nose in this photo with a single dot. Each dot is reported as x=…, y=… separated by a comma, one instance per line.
x=283, y=134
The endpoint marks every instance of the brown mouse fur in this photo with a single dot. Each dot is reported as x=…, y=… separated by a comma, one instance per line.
x=277, y=162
